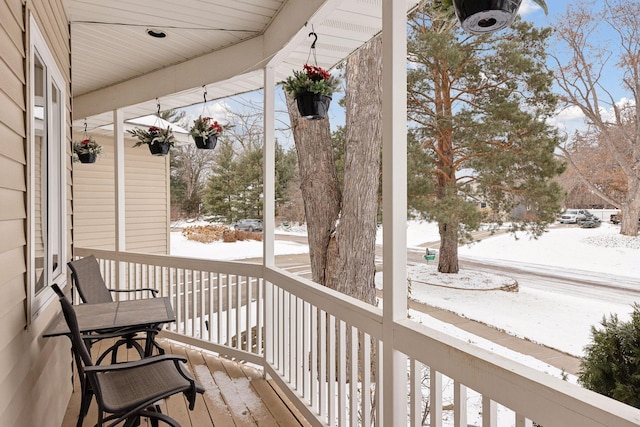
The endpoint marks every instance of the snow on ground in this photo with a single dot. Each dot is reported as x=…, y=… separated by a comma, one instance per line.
x=559, y=321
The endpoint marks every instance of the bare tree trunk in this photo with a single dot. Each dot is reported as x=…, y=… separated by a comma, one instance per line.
x=342, y=225
x=631, y=210
x=319, y=185
x=356, y=232
x=448, y=258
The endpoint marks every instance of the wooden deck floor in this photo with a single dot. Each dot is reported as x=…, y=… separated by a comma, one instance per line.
x=236, y=395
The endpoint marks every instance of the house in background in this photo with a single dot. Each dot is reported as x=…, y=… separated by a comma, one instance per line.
x=66, y=61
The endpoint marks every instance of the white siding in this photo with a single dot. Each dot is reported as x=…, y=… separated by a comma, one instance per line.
x=146, y=200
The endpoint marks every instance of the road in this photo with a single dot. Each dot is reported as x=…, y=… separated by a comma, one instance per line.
x=579, y=283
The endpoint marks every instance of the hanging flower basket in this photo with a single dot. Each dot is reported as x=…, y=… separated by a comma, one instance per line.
x=87, y=150
x=159, y=140
x=87, y=158
x=159, y=148
x=313, y=106
x=312, y=89
x=205, y=132
x=208, y=143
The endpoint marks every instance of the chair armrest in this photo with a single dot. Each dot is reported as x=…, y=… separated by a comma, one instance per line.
x=154, y=292
x=134, y=364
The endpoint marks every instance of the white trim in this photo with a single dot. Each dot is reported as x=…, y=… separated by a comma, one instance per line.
x=56, y=183
x=268, y=153
x=394, y=199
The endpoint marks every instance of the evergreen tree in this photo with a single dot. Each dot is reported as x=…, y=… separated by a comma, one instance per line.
x=286, y=170
x=478, y=105
x=611, y=365
x=248, y=203
x=222, y=184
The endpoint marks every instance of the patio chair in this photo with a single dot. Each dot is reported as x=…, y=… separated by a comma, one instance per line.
x=128, y=391
x=87, y=279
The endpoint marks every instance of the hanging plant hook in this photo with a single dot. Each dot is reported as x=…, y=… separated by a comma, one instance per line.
x=312, y=33
x=85, y=125
x=313, y=47
x=205, y=93
x=158, y=104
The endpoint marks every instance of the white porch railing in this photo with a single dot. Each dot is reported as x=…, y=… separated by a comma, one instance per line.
x=324, y=349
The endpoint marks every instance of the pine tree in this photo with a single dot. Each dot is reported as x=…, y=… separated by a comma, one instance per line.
x=221, y=186
x=611, y=365
x=478, y=105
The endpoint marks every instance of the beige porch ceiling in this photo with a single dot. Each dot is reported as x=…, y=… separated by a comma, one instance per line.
x=220, y=44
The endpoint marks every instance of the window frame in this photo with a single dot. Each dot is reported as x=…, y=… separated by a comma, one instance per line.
x=53, y=175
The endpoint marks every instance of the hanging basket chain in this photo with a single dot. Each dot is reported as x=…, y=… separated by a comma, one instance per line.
x=205, y=109
x=86, y=135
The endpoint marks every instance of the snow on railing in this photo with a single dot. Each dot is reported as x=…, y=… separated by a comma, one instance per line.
x=325, y=350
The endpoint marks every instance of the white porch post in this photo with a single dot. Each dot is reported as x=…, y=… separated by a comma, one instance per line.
x=269, y=168
x=118, y=170
x=394, y=202
x=268, y=155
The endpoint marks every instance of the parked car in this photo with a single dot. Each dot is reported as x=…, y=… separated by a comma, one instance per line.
x=248, y=225
x=572, y=216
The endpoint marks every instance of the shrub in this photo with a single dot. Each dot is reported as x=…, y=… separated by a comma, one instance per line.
x=229, y=236
x=611, y=365
x=204, y=233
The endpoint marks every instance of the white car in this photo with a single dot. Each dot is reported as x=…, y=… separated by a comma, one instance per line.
x=572, y=216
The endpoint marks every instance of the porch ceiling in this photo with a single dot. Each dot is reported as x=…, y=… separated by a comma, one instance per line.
x=220, y=44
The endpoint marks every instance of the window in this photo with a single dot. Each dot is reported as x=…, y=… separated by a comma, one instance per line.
x=47, y=217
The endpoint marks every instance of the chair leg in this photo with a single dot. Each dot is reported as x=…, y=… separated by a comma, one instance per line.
x=84, y=405
x=157, y=416
x=150, y=343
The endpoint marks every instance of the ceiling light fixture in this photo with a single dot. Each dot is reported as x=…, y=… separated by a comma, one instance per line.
x=156, y=33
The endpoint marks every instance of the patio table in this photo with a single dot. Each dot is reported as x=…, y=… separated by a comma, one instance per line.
x=113, y=316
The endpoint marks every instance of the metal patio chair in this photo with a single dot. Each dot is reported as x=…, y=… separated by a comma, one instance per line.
x=88, y=281
x=128, y=391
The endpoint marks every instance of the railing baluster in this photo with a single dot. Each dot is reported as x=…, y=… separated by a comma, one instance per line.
x=291, y=334
x=366, y=380
x=299, y=346
x=353, y=378
x=286, y=334
x=332, y=369
x=269, y=320
x=228, y=340
x=379, y=375
x=219, y=289
x=435, y=397
x=489, y=412
x=280, y=336
x=313, y=344
x=323, y=364
x=194, y=305
x=342, y=373
x=209, y=317
x=260, y=323
x=249, y=315
x=522, y=421
x=239, y=331
x=307, y=378
x=459, y=404
x=415, y=393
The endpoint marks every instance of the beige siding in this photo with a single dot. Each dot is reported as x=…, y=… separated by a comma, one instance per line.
x=146, y=200
x=34, y=372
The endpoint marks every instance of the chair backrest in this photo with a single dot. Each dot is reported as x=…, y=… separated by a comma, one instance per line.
x=79, y=346
x=85, y=273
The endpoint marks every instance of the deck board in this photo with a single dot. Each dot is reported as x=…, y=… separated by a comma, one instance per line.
x=236, y=394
